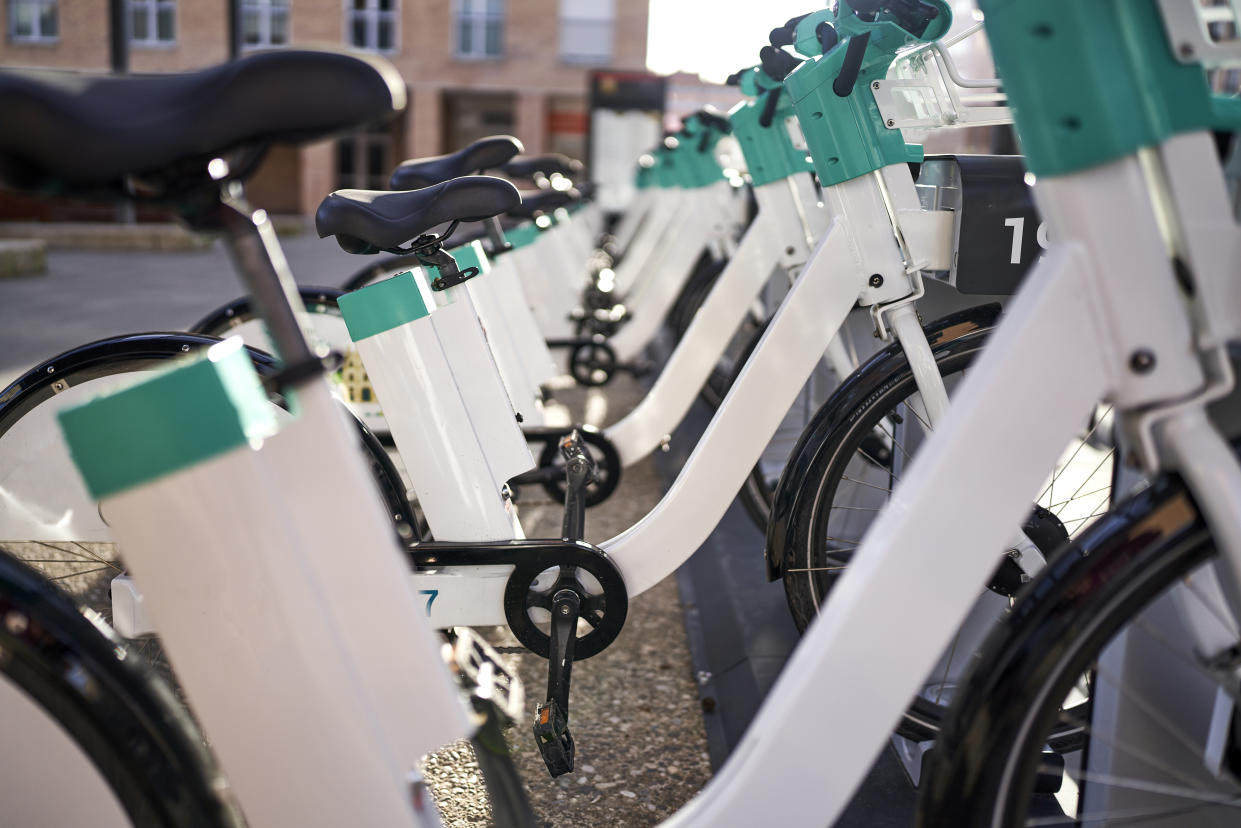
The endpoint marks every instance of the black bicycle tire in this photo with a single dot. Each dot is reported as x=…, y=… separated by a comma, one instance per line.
x=116, y=711
x=1072, y=608
x=146, y=351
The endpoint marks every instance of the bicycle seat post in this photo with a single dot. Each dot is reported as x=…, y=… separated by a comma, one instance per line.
x=260, y=262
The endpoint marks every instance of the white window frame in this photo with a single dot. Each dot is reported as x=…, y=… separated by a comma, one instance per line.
x=586, y=14
x=478, y=17
x=37, y=36
x=151, y=8
x=372, y=14
x=264, y=9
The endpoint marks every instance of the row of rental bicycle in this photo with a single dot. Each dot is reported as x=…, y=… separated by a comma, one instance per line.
x=982, y=407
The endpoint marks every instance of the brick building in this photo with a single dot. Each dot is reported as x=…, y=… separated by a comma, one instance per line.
x=473, y=67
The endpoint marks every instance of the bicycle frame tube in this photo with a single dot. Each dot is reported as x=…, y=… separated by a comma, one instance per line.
x=858, y=244
x=776, y=238
x=1104, y=291
x=655, y=295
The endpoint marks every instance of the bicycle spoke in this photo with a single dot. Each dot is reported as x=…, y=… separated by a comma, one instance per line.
x=892, y=436
x=918, y=416
x=1132, y=816
x=1107, y=488
x=856, y=508
x=1093, y=472
x=79, y=574
x=864, y=483
x=1051, y=485
x=1143, y=756
x=819, y=568
x=1221, y=614
x=1185, y=658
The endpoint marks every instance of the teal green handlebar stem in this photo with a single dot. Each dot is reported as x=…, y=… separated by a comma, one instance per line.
x=1092, y=82
x=846, y=136
x=698, y=168
x=769, y=152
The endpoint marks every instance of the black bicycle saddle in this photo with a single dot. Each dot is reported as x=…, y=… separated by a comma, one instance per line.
x=368, y=221
x=73, y=129
x=531, y=165
x=541, y=201
x=484, y=154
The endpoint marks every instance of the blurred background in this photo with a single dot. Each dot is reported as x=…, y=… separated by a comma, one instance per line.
x=597, y=80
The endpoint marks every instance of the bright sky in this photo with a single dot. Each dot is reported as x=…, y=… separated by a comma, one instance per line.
x=715, y=38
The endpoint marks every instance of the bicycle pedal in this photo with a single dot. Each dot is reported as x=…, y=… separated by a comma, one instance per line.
x=551, y=734
x=483, y=677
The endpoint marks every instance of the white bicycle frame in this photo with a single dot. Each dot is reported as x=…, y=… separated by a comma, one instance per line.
x=1064, y=344
x=706, y=214
x=860, y=242
x=781, y=236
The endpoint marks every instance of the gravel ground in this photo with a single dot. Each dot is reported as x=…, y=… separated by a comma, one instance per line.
x=634, y=712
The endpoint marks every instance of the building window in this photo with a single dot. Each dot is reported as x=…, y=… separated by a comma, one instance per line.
x=586, y=31
x=479, y=26
x=364, y=160
x=371, y=24
x=33, y=21
x=152, y=22
x=264, y=23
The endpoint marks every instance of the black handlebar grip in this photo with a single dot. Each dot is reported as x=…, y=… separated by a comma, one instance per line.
x=911, y=15
x=827, y=36
x=786, y=34
x=777, y=63
x=769, y=107
x=845, y=81
x=734, y=79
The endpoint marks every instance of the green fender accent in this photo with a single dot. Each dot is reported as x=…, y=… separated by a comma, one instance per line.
x=523, y=235
x=180, y=417
x=1092, y=82
x=385, y=305
x=769, y=152
x=847, y=137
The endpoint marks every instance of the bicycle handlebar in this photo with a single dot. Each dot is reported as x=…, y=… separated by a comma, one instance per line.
x=856, y=51
x=777, y=63
x=785, y=35
x=911, y=15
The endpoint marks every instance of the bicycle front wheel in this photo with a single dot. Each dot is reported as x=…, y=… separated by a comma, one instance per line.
x=843, y=474
x=90, y=735
x=1142, y=757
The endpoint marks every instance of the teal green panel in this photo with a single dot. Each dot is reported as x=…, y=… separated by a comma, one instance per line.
x=523, y=235
x=180, y=417
x=383, y=306
x=769, y=151
x=847, y=137
x=1092, y=82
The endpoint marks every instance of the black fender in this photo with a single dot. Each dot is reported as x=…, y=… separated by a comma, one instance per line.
x=316, y=300
x=952, y=332
x=133, y=352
